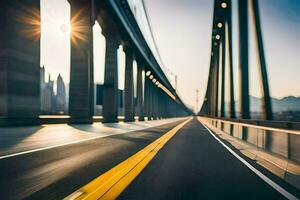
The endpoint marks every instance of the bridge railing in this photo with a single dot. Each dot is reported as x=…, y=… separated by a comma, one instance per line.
x=276, y=149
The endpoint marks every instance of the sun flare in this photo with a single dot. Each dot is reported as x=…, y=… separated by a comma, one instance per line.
x=29, y=18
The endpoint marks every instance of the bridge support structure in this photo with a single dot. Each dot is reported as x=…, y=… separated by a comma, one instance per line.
x=221, y=38
x=223, y=81
x=243, y=59
x=266, y=105
x=110, y=92
x=151, y=100
x=228, y=32
x=147, y=100
x=81, y=100
x=155, y=102
x=140, y=92
x=20, y=59
x=129, y=86
x=20, y=65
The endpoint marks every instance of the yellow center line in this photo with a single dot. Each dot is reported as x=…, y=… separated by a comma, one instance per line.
x=111, y=184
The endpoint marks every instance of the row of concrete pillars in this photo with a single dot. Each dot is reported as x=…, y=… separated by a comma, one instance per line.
x=20, y=64
x=221, y=37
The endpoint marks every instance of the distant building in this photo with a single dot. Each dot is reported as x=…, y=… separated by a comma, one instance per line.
x=46, y=92
x=42, y=76
x=60, y=100
x=51, y=103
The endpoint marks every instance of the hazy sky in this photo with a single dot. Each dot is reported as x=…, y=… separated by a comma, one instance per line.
x=182, y=30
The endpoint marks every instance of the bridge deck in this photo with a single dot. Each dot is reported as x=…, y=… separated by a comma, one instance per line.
x=57, y=172
x=192, y=165
x=16, y=140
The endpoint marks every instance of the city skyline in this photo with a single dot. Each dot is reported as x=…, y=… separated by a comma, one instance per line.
x=53, y=94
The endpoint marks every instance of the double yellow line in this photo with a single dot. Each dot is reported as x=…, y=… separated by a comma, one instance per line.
x=111, y=184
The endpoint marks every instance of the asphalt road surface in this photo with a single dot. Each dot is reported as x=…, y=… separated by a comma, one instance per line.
x=192, y=165
x=57, y=172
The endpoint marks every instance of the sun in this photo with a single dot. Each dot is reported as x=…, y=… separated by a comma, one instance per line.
x=64, y=29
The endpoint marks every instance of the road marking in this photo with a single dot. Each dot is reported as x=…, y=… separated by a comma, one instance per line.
x=113, y=182
x=69, y=143
x=274, y=185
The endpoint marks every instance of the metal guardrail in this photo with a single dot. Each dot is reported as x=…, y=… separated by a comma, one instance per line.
x=288, y=125
x=276, y=149
x=283, y=142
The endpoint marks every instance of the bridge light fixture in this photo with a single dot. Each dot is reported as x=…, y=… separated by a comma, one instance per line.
x=220, y=25
x=224, y=5
x=163, y=88
x=215, y=43
x=148, y=73
x=151, y=77
x=218, y=37
x=154, y=80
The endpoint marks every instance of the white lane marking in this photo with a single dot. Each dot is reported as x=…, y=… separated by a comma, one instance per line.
x=258, y=173
x=73, y=142
x=55, y=146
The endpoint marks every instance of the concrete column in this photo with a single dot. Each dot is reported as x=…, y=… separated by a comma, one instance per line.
x=216, y=82
x=163, y=105
x=230, y=52
x=146, y=98
x=212, y=93
x=173, y=110
x=150, y=100
x=81, y=81
x=168, y=113
x=155, y=102
x=208, y=101
x=160, y=103
x=129, y=87
x=168, y=106
x=223, y=81
x=243, y=54
x=140, y=90
x=176, y=109
x=110, y=90
x=266, y=105
x=20, y=58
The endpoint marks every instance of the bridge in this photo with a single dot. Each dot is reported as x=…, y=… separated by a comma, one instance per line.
x=145, y=142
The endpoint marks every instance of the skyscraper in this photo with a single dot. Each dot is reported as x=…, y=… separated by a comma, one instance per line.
x=60, y=103
x=47, y=97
